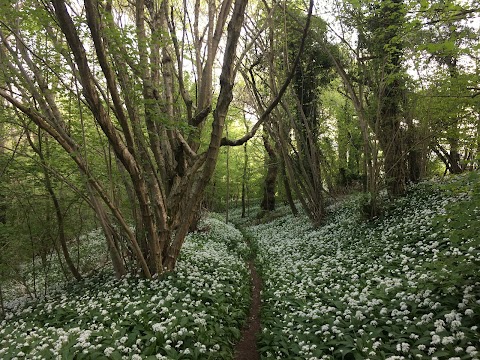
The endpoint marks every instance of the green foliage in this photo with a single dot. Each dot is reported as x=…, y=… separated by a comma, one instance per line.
x=340, y=124
x=30, y=232
x=216, y=193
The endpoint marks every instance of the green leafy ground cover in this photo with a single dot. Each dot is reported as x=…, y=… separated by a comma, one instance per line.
x=405, y=286
x=194, y=313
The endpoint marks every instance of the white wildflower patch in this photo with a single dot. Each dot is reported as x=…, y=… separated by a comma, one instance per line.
x=192, y=312
x=388, y=289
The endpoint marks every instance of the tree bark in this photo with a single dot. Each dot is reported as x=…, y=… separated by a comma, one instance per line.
x=288, y=190
x=227, y=196
x=391, y=142
x=244, y=179
x=271, y=162
x=415, y=152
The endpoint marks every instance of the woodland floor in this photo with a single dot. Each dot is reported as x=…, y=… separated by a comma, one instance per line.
x=246, y=348
x=402, y=286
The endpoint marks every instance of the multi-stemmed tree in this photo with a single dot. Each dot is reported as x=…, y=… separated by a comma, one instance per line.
x=127, y=65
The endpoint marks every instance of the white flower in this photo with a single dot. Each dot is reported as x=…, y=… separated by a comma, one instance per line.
x=108, y=351
x=439, y=325
x=403, y=347
x=158, y=328
x=471, y=350
x=455, y=324
x=452, y=315
x=448, y=340
x=359, y=315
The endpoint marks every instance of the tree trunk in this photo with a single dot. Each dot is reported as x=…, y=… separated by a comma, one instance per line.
x=245, y=169
x=199, y=182
x=268, y=201
x=111, y=237
x=244, y=179
x=342, y=140
x=454, y=154
x=394, y=159
x=390, y=91
x=298, y=177
x=453, y=138
x=415, y=152
x=227, y=200
x=288, y=190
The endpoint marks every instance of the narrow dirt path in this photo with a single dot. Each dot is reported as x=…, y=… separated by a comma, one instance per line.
x=246, y=349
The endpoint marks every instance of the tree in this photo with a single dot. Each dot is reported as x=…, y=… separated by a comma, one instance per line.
x=271, y=164
x=444, y=56
x=278, y=53
x=124, y=77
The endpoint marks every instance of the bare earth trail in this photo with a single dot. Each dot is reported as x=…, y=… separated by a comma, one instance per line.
x=246, y=349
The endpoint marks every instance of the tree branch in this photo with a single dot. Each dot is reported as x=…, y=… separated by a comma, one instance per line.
x=280, y=94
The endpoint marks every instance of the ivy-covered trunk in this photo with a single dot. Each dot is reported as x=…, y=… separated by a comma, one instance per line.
x=394, y=157
x=385, y=43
